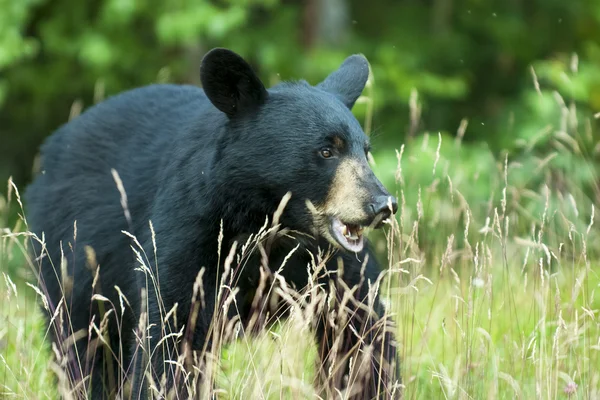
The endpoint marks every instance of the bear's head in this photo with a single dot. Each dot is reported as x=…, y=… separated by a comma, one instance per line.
x=296, y=138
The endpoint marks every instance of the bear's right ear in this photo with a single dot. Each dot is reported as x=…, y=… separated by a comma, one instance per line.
x=230, y=83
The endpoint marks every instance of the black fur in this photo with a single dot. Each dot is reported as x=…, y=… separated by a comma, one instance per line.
x=230, y=83
x=189, y=159
x=348, y=82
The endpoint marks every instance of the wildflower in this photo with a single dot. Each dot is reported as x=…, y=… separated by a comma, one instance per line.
x=571, y=388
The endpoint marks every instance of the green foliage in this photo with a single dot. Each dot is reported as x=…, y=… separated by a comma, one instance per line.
x=13, y=45
x=465, y=59
x=530, y=98
x=521, y=79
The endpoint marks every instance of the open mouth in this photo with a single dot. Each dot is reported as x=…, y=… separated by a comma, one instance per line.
x=349, y=236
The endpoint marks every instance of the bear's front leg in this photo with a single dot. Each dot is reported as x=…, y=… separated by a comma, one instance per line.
x=164, y=363
x=356, y=339
x=178, y=302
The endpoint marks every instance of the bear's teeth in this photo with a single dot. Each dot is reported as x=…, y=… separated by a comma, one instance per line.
x=353, y=233
x=348, y=232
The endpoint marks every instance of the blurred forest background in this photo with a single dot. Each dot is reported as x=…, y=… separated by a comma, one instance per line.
x=501, y=73
x=485, y=117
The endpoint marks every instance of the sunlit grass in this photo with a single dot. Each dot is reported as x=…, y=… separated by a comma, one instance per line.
x=24, y=354
x=501, y=333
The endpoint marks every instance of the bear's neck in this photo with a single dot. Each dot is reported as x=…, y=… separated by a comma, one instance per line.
x=254, y=238
x=246, y=220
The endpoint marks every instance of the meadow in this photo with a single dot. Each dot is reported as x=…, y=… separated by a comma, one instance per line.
x=485, y=123
x=491, y=276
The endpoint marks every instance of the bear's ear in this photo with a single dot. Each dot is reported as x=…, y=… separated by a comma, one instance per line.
x=230, y=83
x=348, y=82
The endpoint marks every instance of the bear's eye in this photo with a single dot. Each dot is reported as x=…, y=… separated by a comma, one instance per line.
x=326, y=153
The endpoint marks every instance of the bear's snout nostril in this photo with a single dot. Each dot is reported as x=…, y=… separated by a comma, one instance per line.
x=381, y=206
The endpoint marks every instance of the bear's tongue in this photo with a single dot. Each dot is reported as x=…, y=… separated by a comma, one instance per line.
x=349, y=236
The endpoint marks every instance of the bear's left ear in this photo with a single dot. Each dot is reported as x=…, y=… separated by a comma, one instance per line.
x=348, y=82
x=230, y=83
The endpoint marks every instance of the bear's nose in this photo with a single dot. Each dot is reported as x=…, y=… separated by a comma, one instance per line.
x=381, y=205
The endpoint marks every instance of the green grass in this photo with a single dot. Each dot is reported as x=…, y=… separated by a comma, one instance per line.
x=493, y=283
x=487, y=332
x=498, y=334
x=498, y=316
x=25, y=370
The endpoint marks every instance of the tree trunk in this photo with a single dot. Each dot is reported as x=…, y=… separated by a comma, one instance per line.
x=325, y=22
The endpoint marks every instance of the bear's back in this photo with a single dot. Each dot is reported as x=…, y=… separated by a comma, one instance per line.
x=137, y=134
x=145, y=118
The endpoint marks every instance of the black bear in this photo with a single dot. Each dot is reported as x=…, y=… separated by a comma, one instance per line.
x=156, y=189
